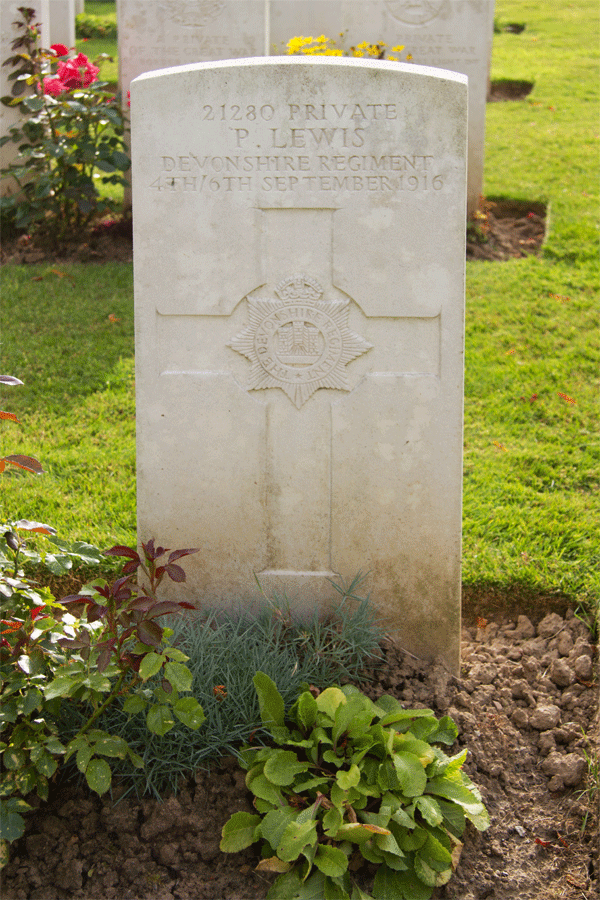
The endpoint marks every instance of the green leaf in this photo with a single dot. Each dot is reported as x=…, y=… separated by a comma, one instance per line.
x=238, y=833
x=288, y=887
x=454, y=817
x=121, y=160
x=159, y=719
x=445, y=733
x=43, y=761
x=353, y=716
x=283, y=766
x=189, y=711
x=306, y=709
x=179, y=676
x=349, y=779
x=272, y=709
x=150, y=665
x=329, y=700
x=13, y=759
x=263, y=788
x=430, y=810
x=175, y=654
x=12, y=823
x=135, y=704
x=411, y=774
x=136, y=760
x=429, y=875
x=296, y=837
x=385, y=886
x=82, y=758
x=274, y=824
x=32, y=700
x=332, y=861
x=410, y=888
x=98, y=775
x=111, y=746
x=332, y=822
x=434, y=854
x=450, y=790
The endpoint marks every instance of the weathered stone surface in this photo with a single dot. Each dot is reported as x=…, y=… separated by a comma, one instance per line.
x=299, y=281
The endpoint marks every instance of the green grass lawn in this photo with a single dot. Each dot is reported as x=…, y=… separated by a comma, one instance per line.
x=532, y=461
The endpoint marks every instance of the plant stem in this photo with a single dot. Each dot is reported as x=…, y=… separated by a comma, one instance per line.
x=106, y=703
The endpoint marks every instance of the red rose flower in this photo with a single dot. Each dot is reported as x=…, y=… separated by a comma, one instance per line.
x=60, y=49
x=54, y=86
x=77, y=72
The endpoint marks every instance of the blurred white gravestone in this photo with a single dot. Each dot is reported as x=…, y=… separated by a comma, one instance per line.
x=448, y=34
x=299, y=288
x=9, y=15
x=155, y=34
x=62, y=22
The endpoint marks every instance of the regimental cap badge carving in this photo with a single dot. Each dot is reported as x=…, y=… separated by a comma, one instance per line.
x=299, y=342
x=193, y=13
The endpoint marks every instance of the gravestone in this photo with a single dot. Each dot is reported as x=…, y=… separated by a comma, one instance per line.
x=161, y=33
x=448, y=34
x=299, y=250
x=9, y=14
x=62, y=22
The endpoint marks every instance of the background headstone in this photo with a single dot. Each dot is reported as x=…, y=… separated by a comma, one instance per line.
x=9, y=13
x=299, y=250
x=62, y=22
x=156, y=34
x=448, y=34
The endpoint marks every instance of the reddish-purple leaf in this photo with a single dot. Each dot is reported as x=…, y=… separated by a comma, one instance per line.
x=130, y=567
x=29, y=463
x=167, y=686
x=175, y=573
x=150, y=633
x=103, y=660
x=162, y=608
x=185, y=605
x=76, y=598
x=121, y=588
x=177, y=554
x=121, y=550
x=142, y=603
x=9, y=379
x=96, y=612
x=39, y=527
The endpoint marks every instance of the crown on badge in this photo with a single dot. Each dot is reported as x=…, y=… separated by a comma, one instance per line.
x=299, y=287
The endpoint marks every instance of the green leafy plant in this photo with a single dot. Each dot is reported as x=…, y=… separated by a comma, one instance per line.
x=349, y=781
x=70, y=133
x=102, y=643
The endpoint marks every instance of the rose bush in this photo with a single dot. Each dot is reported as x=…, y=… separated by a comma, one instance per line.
x=70, y=138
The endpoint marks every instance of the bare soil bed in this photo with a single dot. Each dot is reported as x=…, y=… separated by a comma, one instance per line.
x=526, y=705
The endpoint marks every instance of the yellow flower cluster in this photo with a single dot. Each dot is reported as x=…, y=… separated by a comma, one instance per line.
x=313, y=46
x=324, y=46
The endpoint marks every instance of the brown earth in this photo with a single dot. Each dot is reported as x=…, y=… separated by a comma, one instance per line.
x=526, y=705
x=500, y=230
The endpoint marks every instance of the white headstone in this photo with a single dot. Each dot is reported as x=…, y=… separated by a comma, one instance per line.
x=299, y=252
x=154, y=34
x=62, y=22
x=9, y=15
x=448, y=34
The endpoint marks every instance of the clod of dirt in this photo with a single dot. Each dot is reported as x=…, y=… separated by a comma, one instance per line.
x=505, y=89
x=529, y=739
x=505, y=229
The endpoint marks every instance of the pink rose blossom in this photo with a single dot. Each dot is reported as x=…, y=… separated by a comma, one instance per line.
x=54, y=86
x=78, y=72
x=60, y=49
